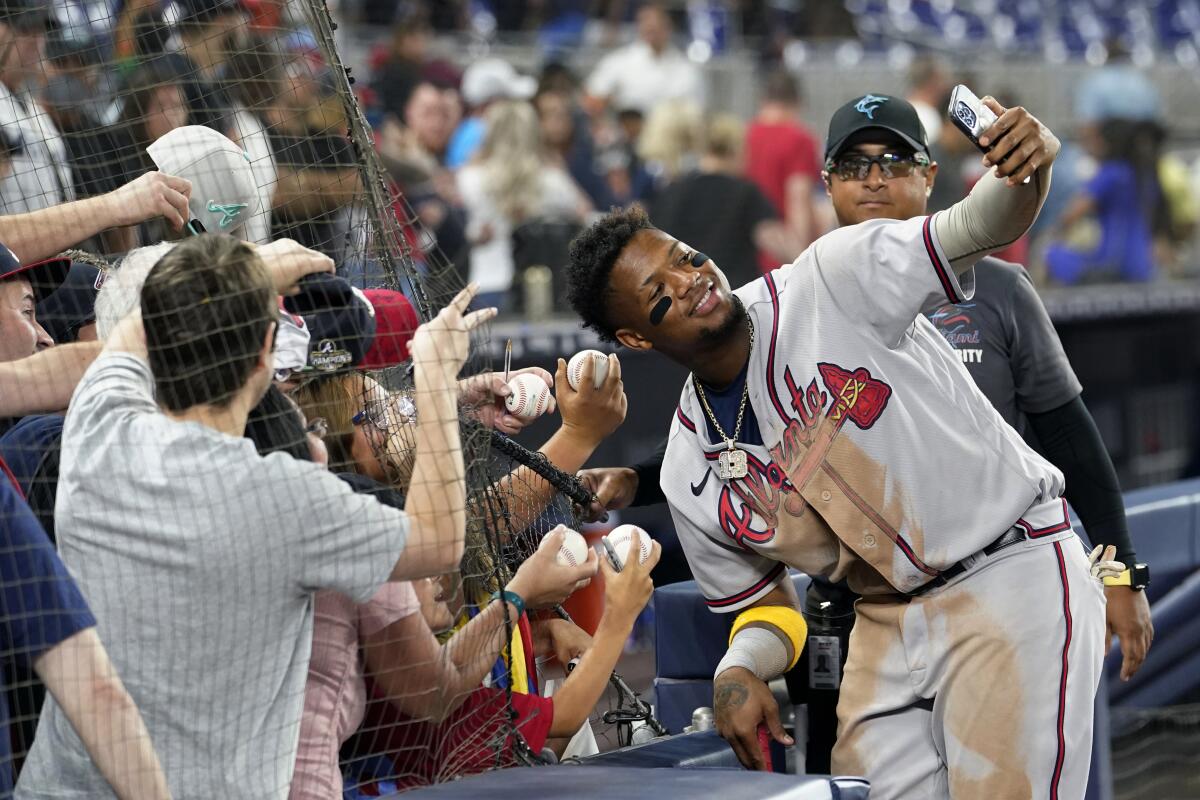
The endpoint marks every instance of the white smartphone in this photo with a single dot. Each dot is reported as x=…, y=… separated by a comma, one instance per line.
x=969, y=114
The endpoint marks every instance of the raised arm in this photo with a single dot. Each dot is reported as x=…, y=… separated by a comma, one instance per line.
x=85, y=684
x=436, y=502
x=1002, y=206
x=44, y=381
x=40, y=234
x=425, y=679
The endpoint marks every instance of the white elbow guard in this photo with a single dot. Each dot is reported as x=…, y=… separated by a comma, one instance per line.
x=757, y=649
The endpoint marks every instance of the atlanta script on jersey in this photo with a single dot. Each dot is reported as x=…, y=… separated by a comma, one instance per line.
x=882, y=463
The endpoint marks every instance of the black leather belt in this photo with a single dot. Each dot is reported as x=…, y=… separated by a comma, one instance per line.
x=1010, y=537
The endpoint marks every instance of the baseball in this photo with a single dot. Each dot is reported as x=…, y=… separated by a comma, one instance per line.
x=620, y=538
x=574, y=550
x=530, y=396
x=575, y=368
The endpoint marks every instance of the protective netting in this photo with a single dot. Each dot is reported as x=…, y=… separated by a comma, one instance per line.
x=205, y=568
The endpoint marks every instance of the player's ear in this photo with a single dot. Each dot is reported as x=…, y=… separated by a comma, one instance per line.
x=633, y=340
x=826, y=180
x=930, y=177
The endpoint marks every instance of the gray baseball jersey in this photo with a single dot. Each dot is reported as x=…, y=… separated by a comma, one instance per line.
x=883, y=463
x=899, y=461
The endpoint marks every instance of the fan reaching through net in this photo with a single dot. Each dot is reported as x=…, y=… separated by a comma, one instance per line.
x=291, y=556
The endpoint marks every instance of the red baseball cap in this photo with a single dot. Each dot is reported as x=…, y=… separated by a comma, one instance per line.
x=44, y=276
x=395, y=322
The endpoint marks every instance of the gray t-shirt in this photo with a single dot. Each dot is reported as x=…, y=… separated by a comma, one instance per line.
x=1007, y=342
x=199, y=559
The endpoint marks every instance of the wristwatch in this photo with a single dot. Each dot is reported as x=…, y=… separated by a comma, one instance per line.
x=1136, y=577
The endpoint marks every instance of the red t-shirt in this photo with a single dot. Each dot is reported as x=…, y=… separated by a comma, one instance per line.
x=776, y=152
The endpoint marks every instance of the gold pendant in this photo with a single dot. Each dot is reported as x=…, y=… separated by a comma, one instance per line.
x=731, y=464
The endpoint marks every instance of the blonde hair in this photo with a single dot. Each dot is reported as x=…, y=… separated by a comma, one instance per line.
x=724, y=136
x=671, y=138
x=511, y=156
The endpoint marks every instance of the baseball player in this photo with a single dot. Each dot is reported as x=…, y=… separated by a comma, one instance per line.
x=828, y=426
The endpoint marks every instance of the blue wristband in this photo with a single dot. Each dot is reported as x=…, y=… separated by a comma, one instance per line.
x=511, y=597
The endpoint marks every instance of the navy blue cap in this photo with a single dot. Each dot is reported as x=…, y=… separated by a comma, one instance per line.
x=43, y=276
x=340, y=320
x=73, y=304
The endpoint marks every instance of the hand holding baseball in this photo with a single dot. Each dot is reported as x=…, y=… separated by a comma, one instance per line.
x=591, y=412
x=543, y=581
x=485, y=394
x=627, y=592
x=528, y=397
x=1018, y=143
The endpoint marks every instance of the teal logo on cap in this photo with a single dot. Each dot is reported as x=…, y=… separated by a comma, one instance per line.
x=868, y=104
x=228, y=211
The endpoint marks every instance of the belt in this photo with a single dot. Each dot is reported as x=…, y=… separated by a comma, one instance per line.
x=1012, y=536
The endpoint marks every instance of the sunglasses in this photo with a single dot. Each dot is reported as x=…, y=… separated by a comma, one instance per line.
x=318, y=427
x=856, y=166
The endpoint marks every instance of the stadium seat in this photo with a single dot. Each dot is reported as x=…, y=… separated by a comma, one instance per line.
x=1172, y=668
x=622, y=783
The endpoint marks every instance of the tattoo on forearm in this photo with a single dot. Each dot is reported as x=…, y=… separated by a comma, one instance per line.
x=730, y=695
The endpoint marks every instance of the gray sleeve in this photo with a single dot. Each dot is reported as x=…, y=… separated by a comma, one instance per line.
x=990, y=218
x=344, y=541
x=1042, y=375
x=886, y=272
x=116, y=388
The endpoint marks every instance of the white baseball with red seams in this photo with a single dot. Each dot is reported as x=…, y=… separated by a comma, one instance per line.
x=621, y=538
x=530, y=397
x=575, y=368
x=573, y=551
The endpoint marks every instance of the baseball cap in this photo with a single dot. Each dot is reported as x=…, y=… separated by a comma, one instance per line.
x=894, y=114
x=73, y=304
x=224, y=194
x=340, y=321
x=44, y=276
x=494, y=79
x=395, y=322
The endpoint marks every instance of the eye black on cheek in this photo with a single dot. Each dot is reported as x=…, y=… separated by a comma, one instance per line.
x=660, y=310
x=699, y=259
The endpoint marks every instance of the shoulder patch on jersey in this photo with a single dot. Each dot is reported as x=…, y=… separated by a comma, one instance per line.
x=857, y=396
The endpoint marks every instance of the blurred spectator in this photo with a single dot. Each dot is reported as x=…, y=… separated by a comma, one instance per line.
x=256, y=74
x=1107, y=231
x=1117, y=90
x=670, y=143
x=721, y=213
x=73, y=97
x=397, y=76
x=511, y=183
x=782, y=159
x=429, y=123
x=39, y=173
x=565, y=135
x=484, y=82
x=929, y=85
x=207, y=30
x=646, y=73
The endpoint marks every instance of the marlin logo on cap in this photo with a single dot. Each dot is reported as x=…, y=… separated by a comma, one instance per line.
x=868, y=104
x=229, y=212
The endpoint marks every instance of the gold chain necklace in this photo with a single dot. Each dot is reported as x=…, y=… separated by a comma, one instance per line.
x=731, y=464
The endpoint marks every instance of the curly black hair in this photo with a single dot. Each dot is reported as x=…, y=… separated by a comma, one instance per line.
x=592, y=256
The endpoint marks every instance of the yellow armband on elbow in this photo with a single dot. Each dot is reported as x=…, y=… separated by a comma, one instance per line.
x=785, y=619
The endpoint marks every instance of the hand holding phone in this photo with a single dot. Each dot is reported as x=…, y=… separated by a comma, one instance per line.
x=970, y=115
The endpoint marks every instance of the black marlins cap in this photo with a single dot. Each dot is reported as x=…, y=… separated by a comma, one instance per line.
x=894, y=114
